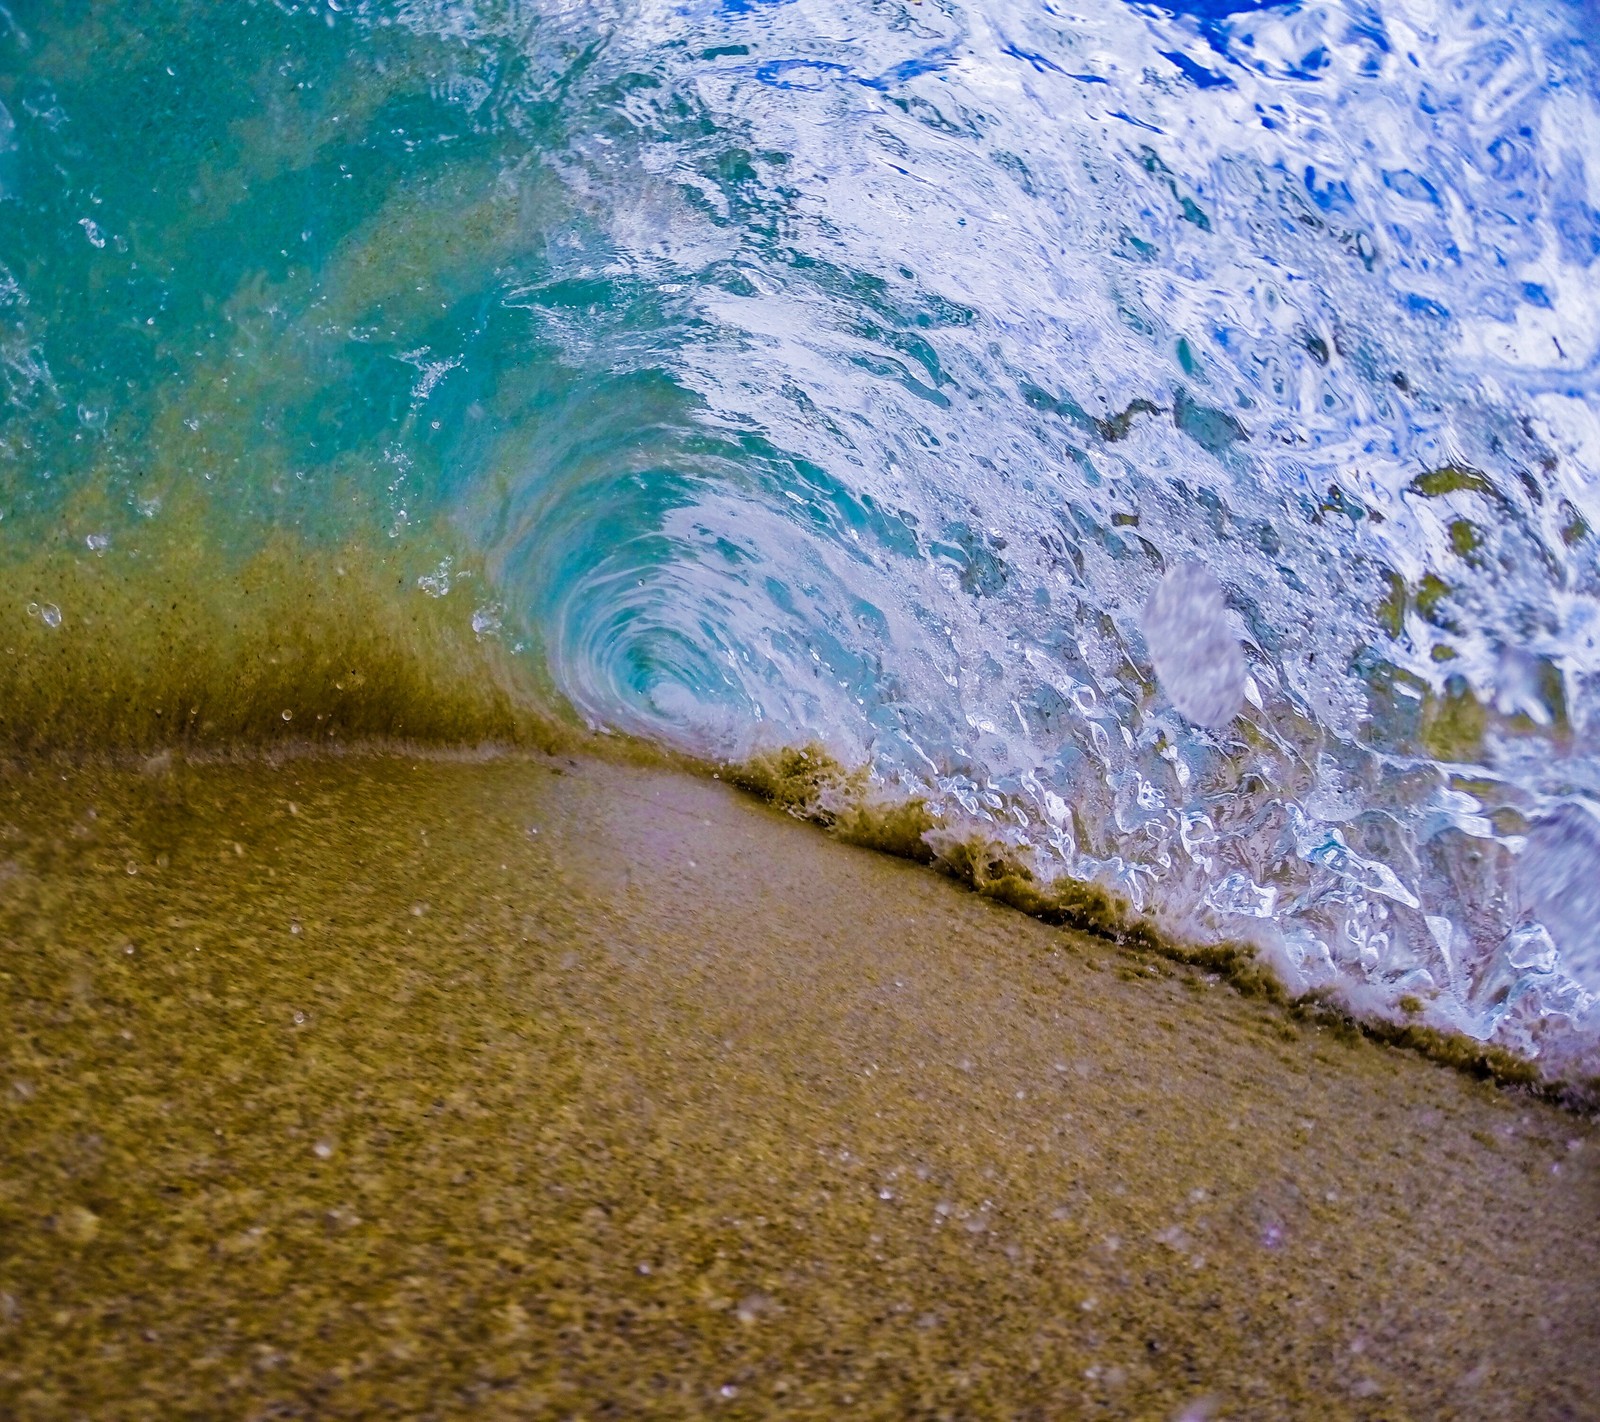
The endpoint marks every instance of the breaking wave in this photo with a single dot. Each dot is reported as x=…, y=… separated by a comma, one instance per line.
x=1164, y=437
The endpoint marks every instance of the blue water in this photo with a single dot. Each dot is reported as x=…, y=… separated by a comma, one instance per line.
x=863, y=373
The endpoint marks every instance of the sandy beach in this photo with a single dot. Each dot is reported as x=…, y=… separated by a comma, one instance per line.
x=523, y=1087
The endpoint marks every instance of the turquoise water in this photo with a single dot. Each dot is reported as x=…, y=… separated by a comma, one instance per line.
x=1165, y=435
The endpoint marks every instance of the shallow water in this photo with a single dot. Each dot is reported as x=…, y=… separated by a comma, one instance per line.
x=379, y=1086
x=750, y=374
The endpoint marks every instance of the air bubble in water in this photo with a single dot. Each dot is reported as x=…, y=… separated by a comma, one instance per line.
x=1238, y=893
x=486, y=620
x=437, y=583
x=1196, y=656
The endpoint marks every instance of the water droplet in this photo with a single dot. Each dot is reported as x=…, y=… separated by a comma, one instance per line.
x=1196, y=656
x=1558, y=884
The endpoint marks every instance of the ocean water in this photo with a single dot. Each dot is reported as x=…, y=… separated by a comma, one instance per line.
x=1163, y=436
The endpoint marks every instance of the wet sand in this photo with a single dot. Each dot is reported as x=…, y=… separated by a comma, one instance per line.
x=518, y=1088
